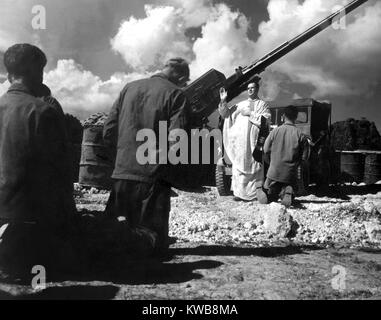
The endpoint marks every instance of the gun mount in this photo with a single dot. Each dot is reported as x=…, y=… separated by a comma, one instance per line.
x=203, y=93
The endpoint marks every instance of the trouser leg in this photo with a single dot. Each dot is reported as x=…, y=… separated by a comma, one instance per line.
x=287, y=195
x=23, y=246
x=273, y=189
x=155, y=212
x=143, y=204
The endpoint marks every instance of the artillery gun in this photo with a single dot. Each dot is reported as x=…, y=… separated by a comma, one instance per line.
x=203, y=93
x=204, y=97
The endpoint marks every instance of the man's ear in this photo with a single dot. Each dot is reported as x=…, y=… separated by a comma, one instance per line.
x=11, y=78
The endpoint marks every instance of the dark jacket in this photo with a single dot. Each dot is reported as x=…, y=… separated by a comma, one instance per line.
x=142, y=105
x=34, y=182
x=286, y=144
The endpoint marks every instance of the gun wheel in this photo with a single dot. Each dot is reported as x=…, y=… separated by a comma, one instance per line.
x=223, y=182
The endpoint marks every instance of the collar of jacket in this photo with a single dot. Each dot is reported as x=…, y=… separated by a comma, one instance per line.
x=19, y=87
x=160, y=75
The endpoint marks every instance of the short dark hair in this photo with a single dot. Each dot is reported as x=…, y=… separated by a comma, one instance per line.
x=256, y=80
x=291, y=113
x=180, y=65
x=19, y=58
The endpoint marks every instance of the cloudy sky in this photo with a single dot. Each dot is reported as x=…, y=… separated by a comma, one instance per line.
x=95, y=46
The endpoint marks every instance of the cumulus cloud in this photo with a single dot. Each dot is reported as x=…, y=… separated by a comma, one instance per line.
x=329, y=64
x=4, y=85
x=195, y=12
x=224, y=44
x=147, y=42
x=81, y=92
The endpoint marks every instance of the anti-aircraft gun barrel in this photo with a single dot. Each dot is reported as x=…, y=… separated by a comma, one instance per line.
x=203, y=93
x=238, y=82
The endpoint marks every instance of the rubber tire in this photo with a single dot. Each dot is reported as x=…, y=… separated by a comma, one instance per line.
x=223, y=183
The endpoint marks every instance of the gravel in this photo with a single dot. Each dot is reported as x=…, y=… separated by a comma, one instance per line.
x=204, y=217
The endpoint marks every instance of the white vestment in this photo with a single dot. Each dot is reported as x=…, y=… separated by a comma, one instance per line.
x=240, y=138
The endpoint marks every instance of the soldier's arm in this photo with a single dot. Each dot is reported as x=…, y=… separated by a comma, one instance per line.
x=179, y=113
x=110, y=129
x=51, y=167
x=50, y=133
x=50, y=144
x=305, y=148
x=268, y=143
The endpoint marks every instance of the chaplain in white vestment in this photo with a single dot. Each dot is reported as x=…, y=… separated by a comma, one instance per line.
x=241, y=129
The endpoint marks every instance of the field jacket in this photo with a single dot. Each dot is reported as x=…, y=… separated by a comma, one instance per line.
x=35, y=180
x=135, y=116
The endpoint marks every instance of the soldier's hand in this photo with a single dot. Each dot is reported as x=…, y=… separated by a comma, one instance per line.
x=223, y=94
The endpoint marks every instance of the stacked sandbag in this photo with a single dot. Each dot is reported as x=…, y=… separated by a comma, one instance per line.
x=374, y=137
x=343, y=135
x=96, y=120
x=354, y=134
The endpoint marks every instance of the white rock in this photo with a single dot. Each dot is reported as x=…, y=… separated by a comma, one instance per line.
x=356, y=201
x=373, y=229
x=278, y=221
x=369, y=207
x=248, y=225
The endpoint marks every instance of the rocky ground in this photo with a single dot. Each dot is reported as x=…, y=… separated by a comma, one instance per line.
x=349, y=217
x=325, y=247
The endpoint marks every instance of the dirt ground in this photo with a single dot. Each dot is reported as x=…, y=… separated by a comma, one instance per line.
x=223, y=251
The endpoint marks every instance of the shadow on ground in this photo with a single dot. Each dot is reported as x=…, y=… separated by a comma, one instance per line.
x=267, y=252
x=344, y=191
x=154, y=272
x=145, y=272
x=137, y=272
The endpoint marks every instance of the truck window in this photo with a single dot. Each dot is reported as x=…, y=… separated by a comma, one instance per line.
x=302, y=116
